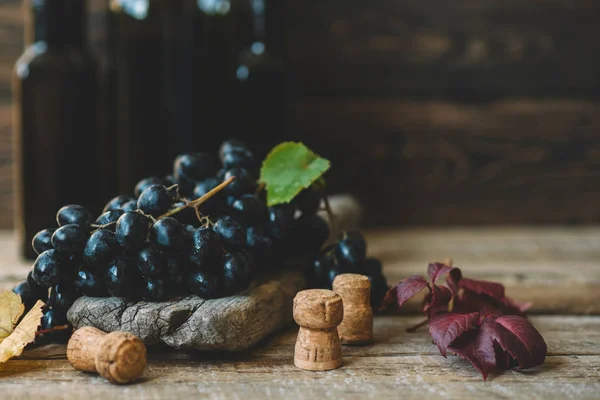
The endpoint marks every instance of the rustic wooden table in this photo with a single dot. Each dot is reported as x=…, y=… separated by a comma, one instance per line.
x=556, y=268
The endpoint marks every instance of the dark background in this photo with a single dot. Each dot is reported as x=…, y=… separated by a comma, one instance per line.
x=432, y=112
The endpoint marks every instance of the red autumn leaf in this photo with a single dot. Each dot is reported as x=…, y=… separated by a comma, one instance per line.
x=469, y=302
x=520, y=339
x=453, y=279
x=492, y=289
x=405, y=290
x=446, y=328
x=438, y=300
x=437, y=269
x=483, y=326
x=477, y=347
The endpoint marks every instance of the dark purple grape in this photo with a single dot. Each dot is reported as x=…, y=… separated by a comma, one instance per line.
x=321, y=266
x=351, y=249
x=53, y=318
x=233, y=235
x=74, y=214
x=109, y=219
x=118, y=202
x=155, y=200
x=213, y=204
x=146, y=183
x=177, y=267
x=150, y=262
x=169, y=180
x=206, y=248
x=187, y=216
x=130, y=206
x=62, y=296
x=249, y=210
x=168, y=234
x=335, y=270
x=89, y=283
x=236, y=272
x=48, y=267
x=131, y=231
x=28, y=298
x=229, y=145
x=261, y=247
x=281, y=220
x=42, y=240
x=193, y=167
x=119, y=279
x=203, y=284
x=153, y=289
x=238, y=158
x=244, y=182
x=40, y=292
x=70, y=238
x=308, y=201
x=101, y=248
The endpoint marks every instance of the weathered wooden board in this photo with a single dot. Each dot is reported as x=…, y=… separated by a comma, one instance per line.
x=555, y=268
x=229, y=323
x=397, y=364
x=462, y=49
x=513, y=161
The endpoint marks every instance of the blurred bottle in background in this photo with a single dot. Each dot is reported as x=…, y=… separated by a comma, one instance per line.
x=260, y=104
x=214, y=63
x=58, y=153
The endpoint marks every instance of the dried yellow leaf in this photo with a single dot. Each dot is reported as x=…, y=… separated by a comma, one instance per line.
x=23, y=334
x=11, y=309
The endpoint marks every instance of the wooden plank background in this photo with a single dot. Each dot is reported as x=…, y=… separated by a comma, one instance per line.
x=433, y=112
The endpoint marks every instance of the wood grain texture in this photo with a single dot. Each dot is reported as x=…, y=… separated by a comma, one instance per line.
x=517, y=161
x=462, y=49
x=469, y=112
x=555, y=268
x=397, y=362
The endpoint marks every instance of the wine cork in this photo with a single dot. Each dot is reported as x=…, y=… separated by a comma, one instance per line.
x=318, y=312
x=119, y=357
x=355, y=291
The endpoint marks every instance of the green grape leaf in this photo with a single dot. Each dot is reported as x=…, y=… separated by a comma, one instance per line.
x=289, y=168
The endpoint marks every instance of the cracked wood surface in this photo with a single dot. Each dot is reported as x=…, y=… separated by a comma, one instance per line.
x=556, y=268
x=229, y=323
x=397, y=364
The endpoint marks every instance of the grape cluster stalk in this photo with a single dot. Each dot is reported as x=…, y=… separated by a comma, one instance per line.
x=203, y=230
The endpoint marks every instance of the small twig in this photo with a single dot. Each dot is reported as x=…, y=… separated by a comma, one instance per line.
x=414, y=328
x=50, y=330
x=200, y=200
x=98, y=227
x=260, y=188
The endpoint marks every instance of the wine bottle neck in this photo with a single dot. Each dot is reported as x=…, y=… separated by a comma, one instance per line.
x=59, y=23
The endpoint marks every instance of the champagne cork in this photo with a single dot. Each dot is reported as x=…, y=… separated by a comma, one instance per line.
x=355, y=291
x=119, y=357
x=318, y=312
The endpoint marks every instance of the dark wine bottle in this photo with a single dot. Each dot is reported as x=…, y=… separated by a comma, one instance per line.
x=54, y=121
x=153, y=61
x=259, y=96
x=214, y=63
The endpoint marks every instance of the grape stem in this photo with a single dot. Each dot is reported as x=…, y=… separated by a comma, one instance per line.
x=49, y=330
x=200, y=200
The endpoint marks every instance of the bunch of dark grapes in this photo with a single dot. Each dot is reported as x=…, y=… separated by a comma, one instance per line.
x=161, y=242
x=349, y=255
